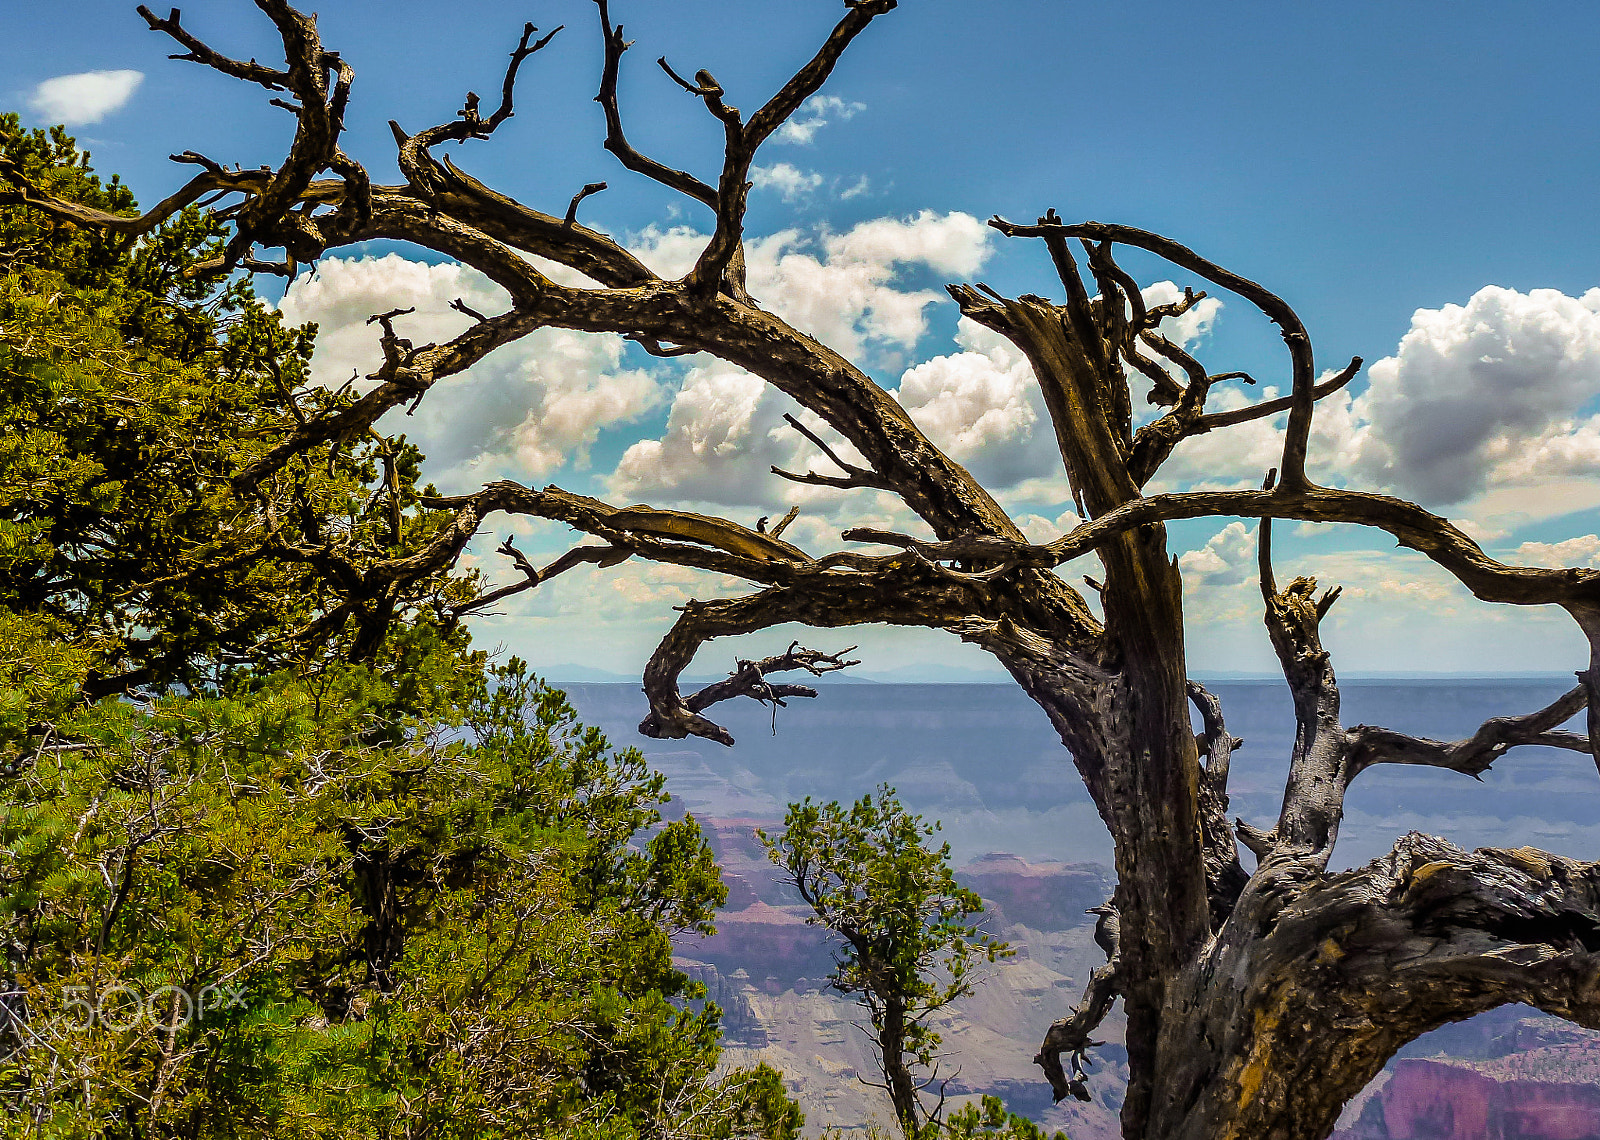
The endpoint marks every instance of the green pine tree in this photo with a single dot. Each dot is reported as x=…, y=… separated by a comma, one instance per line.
x=280, y=853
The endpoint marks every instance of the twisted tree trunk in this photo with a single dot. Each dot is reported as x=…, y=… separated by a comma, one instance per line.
x=1258, y=1005
x=902, y=1086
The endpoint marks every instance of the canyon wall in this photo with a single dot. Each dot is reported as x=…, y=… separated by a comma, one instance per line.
x=1446, y=1100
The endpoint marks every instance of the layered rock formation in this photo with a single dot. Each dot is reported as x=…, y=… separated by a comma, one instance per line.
x=1042, y=896
x=1510, y=1074
x=740, y=1025
x=1438, y=1100
x=762, y=929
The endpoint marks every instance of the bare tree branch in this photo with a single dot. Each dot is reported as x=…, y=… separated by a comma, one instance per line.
x=724, y=252
x=265, y=215
x=602, y=556
x=419, y=166
x=215, y=178
x=1225, y=875
x=655, y=348
x=1476, y=753
x=1266, y=408
x=616, y=141
x=505, y=220
x=783, y=523
x=825, y=600
x=589, y=188
x=853, y=476
x=1289, y=324
x=1071, y=1034
x=749, y=679
x=1313, y=798
x=199, y=52
x=1415, y=527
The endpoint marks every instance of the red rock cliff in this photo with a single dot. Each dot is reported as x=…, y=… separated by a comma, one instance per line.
x=1429, y=1100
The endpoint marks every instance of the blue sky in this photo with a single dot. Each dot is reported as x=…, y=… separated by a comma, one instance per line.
x=1375, y=164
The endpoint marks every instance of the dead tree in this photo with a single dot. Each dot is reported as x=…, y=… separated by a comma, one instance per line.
x=1256, y=1003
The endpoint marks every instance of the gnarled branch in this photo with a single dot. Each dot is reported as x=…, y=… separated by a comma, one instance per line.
x=749, y=679
x=602, y=556
x=1476, y=753
x=419, y=166
x=1313, y=798
x=827, y=600
x=1225, y=875
x=616, y=140
x=201, y=53
x=853, y=476
x=1364, y=962
x=214, y=178
x=1295, y=337
x=1436, y=537
x=1071, y=1034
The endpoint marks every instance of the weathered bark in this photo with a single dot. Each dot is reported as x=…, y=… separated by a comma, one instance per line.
x=1256, y=1003
x=1151, y=766
x=1319, y=979
x=901, y=1085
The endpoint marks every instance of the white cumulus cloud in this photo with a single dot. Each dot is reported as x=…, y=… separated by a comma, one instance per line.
x=1484, y=394
x=1227, y=559
x=1039, y=529
x=523, y=411
x=724, y=431
x=955, y=243
x=671, y=252
x=786, y=179
x=85, y=97
x=1583, y=550
x=1487, y=407
x=814, y=114
x=982, y=408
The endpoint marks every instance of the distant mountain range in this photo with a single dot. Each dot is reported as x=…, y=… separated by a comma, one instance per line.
x=985, y=761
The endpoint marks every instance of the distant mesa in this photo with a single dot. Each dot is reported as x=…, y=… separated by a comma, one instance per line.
x=762, y=928
x=1044, y=896
x=1437, y=1100
x=771, y=942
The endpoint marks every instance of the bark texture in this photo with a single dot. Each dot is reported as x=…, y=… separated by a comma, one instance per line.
x=1257, y=1003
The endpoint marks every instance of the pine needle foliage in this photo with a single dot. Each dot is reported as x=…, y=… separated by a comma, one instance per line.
x=280, y=852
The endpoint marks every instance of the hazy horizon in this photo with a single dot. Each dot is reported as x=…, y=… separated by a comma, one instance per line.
x=937, y=744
